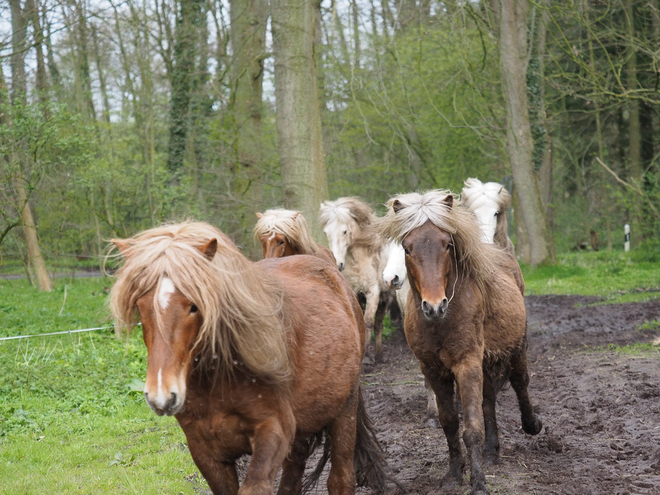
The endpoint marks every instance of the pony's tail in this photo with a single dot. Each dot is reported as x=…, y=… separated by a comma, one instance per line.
x=369, y=458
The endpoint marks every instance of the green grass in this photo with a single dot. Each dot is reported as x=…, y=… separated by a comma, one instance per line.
x=614, y=276
x=72, y=415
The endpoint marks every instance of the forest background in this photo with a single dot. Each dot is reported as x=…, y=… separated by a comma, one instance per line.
x=118, y=115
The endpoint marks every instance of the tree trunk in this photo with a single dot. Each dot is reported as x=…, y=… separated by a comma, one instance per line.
x=183, y=77
x=248, y=38
x=635, y=171
x=32, y=11
x=513, y=57
x=19, y=87
x=304, y=178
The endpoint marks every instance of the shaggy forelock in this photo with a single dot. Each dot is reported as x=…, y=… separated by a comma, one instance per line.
x=476, y=259
x=241, y=306
x=476, y=194
x=289, y=223
x=346, y=209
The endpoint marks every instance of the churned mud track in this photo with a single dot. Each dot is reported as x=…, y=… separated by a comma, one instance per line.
x=600, y=408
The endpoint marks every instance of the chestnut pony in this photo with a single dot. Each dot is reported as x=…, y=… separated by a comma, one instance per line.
x=285, y=233
x=465, y=321
x=361, y=256
x=241, y=354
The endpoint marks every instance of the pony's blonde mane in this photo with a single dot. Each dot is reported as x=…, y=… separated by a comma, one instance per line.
x=289, y=223
x=240, y=304
x=476, y=193
x=475, y=259
x=351, y=209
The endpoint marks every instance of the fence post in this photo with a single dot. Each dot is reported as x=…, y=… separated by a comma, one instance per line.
x=626, y=242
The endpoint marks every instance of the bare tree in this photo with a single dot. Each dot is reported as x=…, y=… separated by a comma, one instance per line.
x=514, y=61
x=304, y=178
x=20, y=156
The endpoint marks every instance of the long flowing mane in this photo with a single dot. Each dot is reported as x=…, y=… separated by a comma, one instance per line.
x=291, y=224
x=349, y=209
x=241, y=305
x=476, y=194
x=475, y=259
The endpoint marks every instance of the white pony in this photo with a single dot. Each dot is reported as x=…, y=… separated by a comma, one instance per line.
x=361, y=257
x=489, y=202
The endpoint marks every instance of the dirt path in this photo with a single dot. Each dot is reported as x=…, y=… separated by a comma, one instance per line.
x=601, y=409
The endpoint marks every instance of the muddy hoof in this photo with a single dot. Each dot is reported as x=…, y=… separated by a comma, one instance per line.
x=491, y=457
x=479, y=488
x=432, y=423
x=533, y=427
x=451, y=482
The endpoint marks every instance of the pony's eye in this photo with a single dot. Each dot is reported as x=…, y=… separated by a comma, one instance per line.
x=406, y=251
x=345, y=232
x=193, y=309
x=497, y=213
x=449, y=246
x=281, y=243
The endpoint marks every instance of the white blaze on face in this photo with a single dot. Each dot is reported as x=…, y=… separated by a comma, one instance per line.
x=166, y=290
x=396, y=264
x=487, y=217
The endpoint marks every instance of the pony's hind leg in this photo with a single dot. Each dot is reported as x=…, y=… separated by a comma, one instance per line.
x=443, y=386
x=431, y=406
x=520, y=381
x=293, y=468
x=492, y=445
x=343, y=430
x=378, y=325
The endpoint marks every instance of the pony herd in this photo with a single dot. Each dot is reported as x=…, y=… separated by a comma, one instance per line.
x=264, y=358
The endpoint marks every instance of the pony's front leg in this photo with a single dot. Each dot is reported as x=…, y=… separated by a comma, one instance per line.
x=221, y=476
x=443, y=385
x=271, y=442
x=469, y=377
x=431, y=405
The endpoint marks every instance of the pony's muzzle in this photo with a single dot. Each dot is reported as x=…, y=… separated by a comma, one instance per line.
x=395, y=283
x=162, y=405
x=340, y=266
x=435, y=311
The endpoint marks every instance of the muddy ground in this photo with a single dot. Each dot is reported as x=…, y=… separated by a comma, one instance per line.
x=600, y=408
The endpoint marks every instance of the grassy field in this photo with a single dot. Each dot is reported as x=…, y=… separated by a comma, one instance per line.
x=72, y=415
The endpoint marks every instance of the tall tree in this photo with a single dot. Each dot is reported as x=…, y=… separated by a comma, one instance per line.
x=19, y=23
x=304, y=177
x=248, y=39
x=188, y=23
x=513, y=48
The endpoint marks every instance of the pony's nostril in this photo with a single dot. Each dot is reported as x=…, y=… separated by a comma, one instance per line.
x=443, y=305
x=426, y=307
x=173, y=397
x=341, y=266
x=395, y=280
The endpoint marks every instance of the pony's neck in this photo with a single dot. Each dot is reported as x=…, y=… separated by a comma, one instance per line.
x=501, y=237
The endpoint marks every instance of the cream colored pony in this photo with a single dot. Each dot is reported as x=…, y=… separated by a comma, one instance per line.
x=361, y=256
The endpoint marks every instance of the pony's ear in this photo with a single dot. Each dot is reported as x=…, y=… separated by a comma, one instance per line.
x=448, y=201
x=501, y=189
x=397, y=206
x=122, y=245
x=209, y=249
x=260, y=215
x=295, y=215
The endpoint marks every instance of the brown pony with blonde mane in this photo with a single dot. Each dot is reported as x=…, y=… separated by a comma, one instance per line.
x=237, y=353
x=465, y=322
x=361, y=256
x=285, y=233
